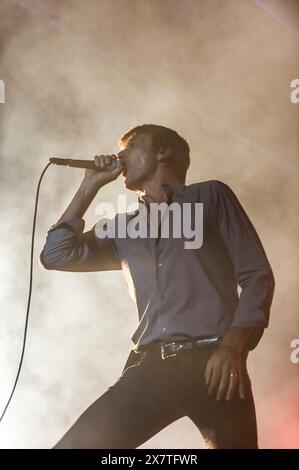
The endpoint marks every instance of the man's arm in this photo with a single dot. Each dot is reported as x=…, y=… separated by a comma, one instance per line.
x=251, y=266
x=67, y=248
x=254, y=275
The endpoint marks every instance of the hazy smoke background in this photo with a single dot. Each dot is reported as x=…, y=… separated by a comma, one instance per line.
x=79, y=74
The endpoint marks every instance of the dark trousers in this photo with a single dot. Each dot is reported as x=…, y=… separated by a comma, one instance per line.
x=151, y=393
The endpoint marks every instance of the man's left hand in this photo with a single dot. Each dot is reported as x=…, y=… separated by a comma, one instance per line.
x=223, y=375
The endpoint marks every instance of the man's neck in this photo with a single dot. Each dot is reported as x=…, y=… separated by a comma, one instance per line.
x=153, y=190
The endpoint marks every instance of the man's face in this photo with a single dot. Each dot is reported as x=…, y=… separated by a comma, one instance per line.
x=140, y=160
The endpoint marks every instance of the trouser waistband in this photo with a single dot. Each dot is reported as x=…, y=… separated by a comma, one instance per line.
x=171, y=349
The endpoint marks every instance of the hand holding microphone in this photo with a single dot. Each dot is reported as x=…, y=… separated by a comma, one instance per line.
x=98, y=172
x=108, y=168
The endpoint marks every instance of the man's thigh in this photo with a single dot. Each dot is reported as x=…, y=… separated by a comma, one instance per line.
x=232, y=424
x=224, y=424
x=129, y=413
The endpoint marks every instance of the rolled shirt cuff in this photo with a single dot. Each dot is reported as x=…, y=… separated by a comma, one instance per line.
x=76, y=224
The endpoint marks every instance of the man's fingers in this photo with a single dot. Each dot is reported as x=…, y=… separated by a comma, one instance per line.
x=208, y=374
x=214, y=381
x=233, y=381
x=100, y=161
x=97, y=161
x=241, y=387
x=223, y=377
x=223, y=384
x=117, y=170
x=105, y=161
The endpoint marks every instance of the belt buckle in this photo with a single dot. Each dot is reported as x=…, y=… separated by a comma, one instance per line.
x=164, y=355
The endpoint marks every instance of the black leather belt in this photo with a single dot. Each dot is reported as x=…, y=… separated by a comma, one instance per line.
x=167, y=350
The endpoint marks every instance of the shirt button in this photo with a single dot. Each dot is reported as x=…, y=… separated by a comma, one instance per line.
x=159, y=265
x=163, y=329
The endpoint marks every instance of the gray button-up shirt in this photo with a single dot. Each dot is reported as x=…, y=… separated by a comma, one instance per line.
x=179, y=293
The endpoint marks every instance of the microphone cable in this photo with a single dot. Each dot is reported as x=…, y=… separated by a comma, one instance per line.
x=29, y=293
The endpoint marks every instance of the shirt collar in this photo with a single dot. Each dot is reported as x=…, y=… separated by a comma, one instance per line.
x=175, y=187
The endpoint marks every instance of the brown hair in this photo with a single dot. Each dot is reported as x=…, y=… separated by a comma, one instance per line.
x=165, y=138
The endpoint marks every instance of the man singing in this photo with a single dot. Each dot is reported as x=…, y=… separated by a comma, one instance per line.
x=195, y=331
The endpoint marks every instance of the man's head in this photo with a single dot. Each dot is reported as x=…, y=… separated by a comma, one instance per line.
x=148, y=149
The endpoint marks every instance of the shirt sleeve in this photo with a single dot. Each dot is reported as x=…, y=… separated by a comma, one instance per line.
x=251, y=266
x=67, y=248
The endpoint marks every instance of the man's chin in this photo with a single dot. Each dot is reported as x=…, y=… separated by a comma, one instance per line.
x=130, y=184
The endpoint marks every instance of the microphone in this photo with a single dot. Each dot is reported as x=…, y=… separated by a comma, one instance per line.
x=89, y=164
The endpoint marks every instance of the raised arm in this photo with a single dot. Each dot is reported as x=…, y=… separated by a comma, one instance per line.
x=67, y=248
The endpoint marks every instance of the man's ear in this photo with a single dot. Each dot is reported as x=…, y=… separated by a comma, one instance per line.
x=164, y=154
